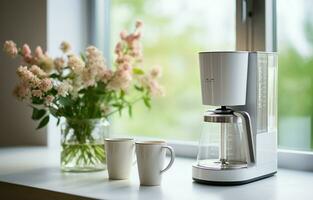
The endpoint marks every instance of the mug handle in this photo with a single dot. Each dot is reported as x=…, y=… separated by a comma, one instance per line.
x=171, y=150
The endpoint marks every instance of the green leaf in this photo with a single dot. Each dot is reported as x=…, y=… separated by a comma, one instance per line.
x=140, y=89
x=130, y=111
x=58, y=122
x=53, y=92
x=37, y=101
x=146, y=101
x=43, y=122
x=83, y=57
x=65, y=101
x=116, y=105
x=53, y=111
x=54, y=75
x=120, y=111
x=122, y=94
x=38, y=113
x=138, y=71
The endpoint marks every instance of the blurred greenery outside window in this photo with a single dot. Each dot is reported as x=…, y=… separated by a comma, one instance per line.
x=295, y=85
x=173, y=34
x=175, y=31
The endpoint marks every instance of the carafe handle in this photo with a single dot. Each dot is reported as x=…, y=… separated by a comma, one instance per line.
x=247, y=121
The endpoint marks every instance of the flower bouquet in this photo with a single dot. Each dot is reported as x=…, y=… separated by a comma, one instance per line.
x=85, y=91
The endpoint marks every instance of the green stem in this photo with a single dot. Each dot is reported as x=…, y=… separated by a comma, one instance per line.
x=131, y=103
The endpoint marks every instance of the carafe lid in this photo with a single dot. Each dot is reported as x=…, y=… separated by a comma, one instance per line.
x=218, y=117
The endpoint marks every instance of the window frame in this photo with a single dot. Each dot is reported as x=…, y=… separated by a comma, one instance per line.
x=255, y=31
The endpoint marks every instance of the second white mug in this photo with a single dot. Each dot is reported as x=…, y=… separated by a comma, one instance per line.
x=150, y=161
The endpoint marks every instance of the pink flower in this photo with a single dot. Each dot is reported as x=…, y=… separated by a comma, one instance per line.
x=123, y=59
x=10, y=48
x=88, y=77
x=152, y=86
x=123, y=35
x=26, y=52
x=59, y=64
x=38, y=52
x=118, y=48
x=21, y=91
x=45, y=85
x=49, y=100
x=132, y=38
x=155, y=72
x=121, y=80
x=139, y=24
x=37, y=71
x=106, y=76
x=24, y=74
x=126, y=67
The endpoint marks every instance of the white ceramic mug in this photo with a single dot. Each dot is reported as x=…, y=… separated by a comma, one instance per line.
x=150, y=161
x=120, y=157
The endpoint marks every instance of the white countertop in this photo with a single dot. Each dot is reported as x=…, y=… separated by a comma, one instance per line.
x=38, y=168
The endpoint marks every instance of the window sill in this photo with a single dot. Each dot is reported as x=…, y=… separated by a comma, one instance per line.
x=36, y=171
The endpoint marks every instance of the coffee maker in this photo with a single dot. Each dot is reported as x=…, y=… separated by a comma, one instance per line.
x=238, y=143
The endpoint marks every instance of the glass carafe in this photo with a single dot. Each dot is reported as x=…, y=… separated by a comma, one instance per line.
x=226, y=141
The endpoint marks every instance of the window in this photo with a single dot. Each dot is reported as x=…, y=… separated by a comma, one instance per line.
x=175, y=31
x=295, y=47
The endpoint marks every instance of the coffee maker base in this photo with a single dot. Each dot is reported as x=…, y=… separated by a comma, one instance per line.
x=231, y=177
x=230, y=183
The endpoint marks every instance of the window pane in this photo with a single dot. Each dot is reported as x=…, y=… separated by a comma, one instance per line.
x=174, y=32
x=295, y=45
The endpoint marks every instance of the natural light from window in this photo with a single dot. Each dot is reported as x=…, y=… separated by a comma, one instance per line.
x=295, y=47
x=174, y=32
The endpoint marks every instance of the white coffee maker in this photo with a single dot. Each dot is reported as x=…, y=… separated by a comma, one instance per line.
x=238, y=143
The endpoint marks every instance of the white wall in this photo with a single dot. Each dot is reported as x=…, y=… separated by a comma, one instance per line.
x=67, y=20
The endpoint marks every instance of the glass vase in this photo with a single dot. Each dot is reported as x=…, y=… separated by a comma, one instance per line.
x=82, y=143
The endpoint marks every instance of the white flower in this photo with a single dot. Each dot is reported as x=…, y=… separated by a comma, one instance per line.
x=88, y=77
x=104, y=109
x=46, y=63
x=37, y=93
x=76, y=84
x=10, y=48
x=76, y=64
x=64, y=88
x=95, y=62
x=65, y=47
